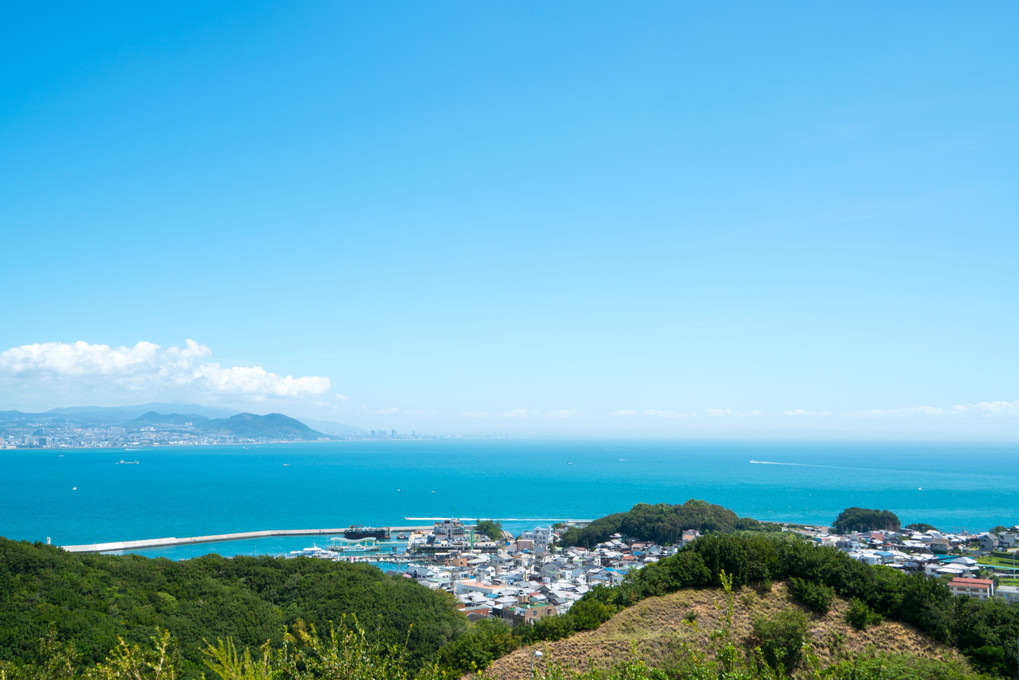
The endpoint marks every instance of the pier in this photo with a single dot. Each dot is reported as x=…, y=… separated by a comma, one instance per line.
x=116, y=546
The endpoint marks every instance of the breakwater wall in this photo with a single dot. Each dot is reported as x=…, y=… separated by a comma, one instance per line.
x=115, y=546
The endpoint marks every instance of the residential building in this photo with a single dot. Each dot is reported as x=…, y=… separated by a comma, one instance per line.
x=980, y=588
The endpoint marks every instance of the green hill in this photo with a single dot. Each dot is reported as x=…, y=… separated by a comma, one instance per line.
x=271, y=426
x=92, y=600
x=661, y=523
x=670, y=632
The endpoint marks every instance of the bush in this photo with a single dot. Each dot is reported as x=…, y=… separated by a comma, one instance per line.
x=483, y=643
x=860, y=615
x=781, y=638
x=816, y=596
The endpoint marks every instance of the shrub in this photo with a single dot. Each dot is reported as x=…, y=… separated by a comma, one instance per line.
x=860, y=615
x=483, y=643
x=816, y=596
x=781, y=638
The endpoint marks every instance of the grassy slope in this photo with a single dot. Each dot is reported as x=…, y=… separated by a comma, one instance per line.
x=658, y=628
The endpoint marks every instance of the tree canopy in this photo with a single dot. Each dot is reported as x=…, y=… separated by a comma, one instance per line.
x=862, y=519
x=490, y=528
x=662, y=523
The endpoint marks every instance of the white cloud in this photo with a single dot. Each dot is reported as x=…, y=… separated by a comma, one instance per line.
x=985, y=409
x=148, y=367
x=1006, y=409
x=904, y=412
x=729, y=413
x=255, y=380
x=519, y=413
x=564, y=413
x=803, y=413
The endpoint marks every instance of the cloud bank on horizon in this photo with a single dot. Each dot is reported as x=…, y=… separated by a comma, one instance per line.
x=146, y=369
x=49, y=374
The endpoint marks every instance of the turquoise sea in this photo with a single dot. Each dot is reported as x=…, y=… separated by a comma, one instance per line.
x=84, y=496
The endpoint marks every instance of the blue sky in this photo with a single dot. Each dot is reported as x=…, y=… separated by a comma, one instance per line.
x=668, y=219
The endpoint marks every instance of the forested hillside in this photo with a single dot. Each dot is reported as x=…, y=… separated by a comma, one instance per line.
x=91, y=600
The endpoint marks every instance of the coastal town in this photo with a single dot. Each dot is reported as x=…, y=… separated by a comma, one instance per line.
x=128, y=428
x=525, y=578
x=149, y=429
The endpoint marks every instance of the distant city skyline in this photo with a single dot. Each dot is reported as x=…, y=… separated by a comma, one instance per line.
x=665, y=221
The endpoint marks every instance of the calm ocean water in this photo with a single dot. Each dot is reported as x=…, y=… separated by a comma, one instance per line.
x=209, y=490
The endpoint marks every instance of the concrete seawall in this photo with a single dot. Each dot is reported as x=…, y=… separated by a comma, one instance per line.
x=214, y=538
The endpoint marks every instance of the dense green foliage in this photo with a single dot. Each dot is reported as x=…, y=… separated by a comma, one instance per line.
x=661, y=523
x=921, y=526
x=860, y=615
x=817, y=596
x=92, y=600
x=489, y=528
x=862, y=519
x=780, y=638
x=484, y=642
x=982, y=629
x=349, y=653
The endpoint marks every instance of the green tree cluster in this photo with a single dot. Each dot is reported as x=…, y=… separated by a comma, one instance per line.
x=662, y=523
x=489, y=528
x=816, y=596
x=780, y=638
x=862, y=519
x=860, y=615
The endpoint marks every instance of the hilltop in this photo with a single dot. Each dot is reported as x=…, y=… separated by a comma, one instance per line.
x=662, y=523
x=661, y=628
x=271, y=426
x=274, y=426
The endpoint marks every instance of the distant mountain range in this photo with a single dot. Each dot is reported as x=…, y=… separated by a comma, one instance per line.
x=196, y=420
x=243, y=425
x=114, y=415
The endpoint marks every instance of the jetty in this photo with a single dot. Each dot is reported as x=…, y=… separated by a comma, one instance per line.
x=116, y=546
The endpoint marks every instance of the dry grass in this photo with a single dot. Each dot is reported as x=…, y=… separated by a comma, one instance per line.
x=658, y=629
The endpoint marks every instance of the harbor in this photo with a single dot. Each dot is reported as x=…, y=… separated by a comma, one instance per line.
x=354, y=530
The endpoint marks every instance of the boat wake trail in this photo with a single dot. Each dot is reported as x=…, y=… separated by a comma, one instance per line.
x=869, y=469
